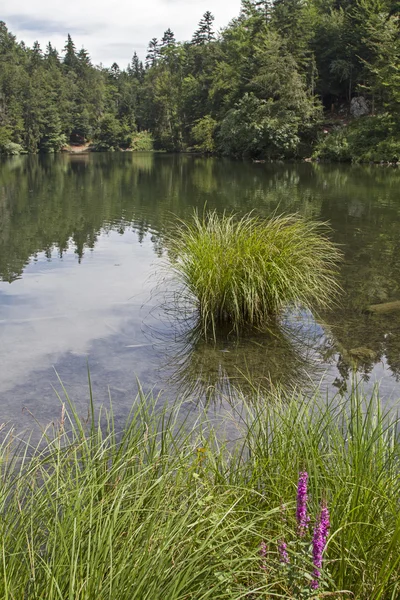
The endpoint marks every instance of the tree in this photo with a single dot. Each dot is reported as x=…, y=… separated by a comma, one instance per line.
x=203, y=134
x=109, y=133
x=135, y=68
x=70, y=58
x=153, y=52
x=115, y=71
x=204, y=34
x=168, y=39
x=51, y=55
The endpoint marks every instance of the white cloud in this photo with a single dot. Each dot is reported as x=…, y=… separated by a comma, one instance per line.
x=59, y=308
x=111, y=31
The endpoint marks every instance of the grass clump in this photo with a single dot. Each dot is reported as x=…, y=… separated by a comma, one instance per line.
x=163, y=509
x=244, y=271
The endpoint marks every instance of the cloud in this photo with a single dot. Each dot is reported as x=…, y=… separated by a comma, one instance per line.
x=59, y=308
x=111, y=32
x=47, y=26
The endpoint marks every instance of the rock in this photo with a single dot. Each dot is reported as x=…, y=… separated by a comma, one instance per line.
x=362, y=354
x=359, y=107
x=384, y=307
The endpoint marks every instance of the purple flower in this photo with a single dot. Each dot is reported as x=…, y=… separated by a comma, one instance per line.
x=283, y=555
x=301, y=514
x=263, y=554
x=320, y=536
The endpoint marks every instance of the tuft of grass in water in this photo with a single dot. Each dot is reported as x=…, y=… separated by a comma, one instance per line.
x=164, y=509
x=243, y=271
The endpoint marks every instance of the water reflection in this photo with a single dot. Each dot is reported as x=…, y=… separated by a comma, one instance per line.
x=232, y=368
x=81, y=236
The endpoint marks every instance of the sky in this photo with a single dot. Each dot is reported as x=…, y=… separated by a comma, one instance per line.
x=110, y=30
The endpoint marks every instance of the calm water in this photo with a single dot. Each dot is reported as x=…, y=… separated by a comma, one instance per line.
x=81, y=279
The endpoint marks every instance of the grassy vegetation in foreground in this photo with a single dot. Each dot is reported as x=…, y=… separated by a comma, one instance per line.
x=165, y=510
x=243, y=271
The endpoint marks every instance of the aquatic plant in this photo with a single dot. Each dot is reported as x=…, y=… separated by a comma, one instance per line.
x=320, y=536
x=301, y=514
x=298, y=580
x=158, y=506
x=243, y=271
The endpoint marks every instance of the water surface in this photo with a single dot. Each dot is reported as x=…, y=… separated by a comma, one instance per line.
x=82, y=241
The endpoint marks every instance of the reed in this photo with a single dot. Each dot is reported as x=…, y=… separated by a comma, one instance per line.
x=160, y=507
x=245, y=271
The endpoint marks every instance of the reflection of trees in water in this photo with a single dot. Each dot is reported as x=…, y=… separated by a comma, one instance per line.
x=55, y=202
x=286, y=355
x=360, y=341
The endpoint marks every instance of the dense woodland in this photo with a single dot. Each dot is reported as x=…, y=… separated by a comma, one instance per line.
x=277, y=82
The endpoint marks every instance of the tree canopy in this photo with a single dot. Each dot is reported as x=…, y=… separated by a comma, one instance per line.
x=262, y=86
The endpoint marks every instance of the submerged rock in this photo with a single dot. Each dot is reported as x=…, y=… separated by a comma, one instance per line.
x=384, y=307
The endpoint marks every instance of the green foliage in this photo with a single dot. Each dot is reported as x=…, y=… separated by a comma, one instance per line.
x=255, y=128
x=11, y=148
x=262, y=80
x=368, y=139
x=163, y=508
x=142, y=141
x=203, y=134
x=333, y=147
x=245, y=271
x=112, y=133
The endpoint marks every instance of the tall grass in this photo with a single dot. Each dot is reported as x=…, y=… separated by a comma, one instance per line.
x=166, y=510
x=243, y=271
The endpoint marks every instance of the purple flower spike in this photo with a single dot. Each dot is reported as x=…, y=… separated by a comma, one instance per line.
x=320, y=536
x=301, y=514
x=263, y=554
x=283, y=555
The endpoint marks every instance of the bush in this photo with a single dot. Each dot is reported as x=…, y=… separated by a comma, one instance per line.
x=203, y=134
x=110, y=134
x=368, y=139
x=334, y=147
x=251, y=129
x=11, y=148
x=244, y=271
x=142, y=141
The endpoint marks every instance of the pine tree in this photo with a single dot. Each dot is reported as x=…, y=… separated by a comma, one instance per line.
x=204, y=33
x=84, y=58
x=257, y=7
x=135, y=68
x=153, y=53
x=168, y=39
x=36, y=55
x=115, y=71
x=70, y=58
x=51, y=54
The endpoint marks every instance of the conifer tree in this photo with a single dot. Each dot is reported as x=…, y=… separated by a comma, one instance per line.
x=168, y=39
x=204, y=33
x=153, y=52
x=135, y=68
x=70, y=58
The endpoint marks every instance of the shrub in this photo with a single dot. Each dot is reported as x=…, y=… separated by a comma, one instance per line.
x=11, y=148
x=142, y=141
x=203, y=134
x=368, y=139
x=333, y=147
x=244, y=271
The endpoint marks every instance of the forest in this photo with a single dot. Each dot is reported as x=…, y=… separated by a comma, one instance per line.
x=278, y=82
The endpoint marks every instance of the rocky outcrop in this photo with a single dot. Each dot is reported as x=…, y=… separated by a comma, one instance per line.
x=359, y=107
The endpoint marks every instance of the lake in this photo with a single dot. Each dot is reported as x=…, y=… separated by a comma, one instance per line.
x=84, y=281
